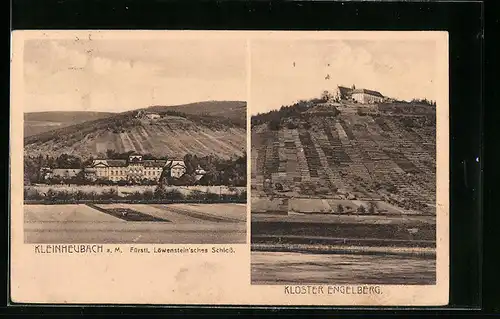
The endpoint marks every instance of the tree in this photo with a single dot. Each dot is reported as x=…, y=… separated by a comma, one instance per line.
x=188, y=162
x=274, y=125
x=361, y=209
x=325, y=95
x=371, y=208
x=81, y=177
x=159, y=192
x=340, y=208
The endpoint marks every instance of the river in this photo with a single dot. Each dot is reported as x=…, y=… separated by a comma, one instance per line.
x=281, y=268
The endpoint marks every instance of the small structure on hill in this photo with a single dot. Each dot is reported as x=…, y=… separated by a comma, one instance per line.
x=147, y=115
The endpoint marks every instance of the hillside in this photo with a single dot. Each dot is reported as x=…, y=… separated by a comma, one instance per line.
x=174, y=135
x=39, y=122
x=234, y=110
x=373, y=152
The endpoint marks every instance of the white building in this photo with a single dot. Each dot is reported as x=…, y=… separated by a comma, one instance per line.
x=153, y=116
x=365, y=96
x=135, y=169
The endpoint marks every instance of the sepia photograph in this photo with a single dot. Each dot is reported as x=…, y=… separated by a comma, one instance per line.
x=229, y=168
x=343, y=161
x=134, y=140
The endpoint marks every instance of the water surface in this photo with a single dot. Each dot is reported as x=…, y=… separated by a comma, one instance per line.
x=281, y=268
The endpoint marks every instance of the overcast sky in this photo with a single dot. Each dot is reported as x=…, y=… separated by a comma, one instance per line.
x=399, y=69
x=119, y=75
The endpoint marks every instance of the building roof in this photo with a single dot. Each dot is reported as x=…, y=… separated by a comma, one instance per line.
x=154, y=163
x=69, y=171
x=117, y=163
x=344, y=90
x=145, y=163
x=178, y=164
x=111, y=162
x=365, y=91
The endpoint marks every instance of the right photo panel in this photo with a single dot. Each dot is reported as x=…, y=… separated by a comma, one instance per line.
x=343, y=161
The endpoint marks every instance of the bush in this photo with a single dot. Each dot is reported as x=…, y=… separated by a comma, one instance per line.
x=212, y=196
x=148, y=194
x=159, y=192
x=274, y=125
x=197, y=195
x=79, y=195
x=361, y=113
x=323, y=191
x=109, y=194
x=32, y=194
x=51, y=194
x=174, y=194
x=371, y=208
x=361, y=210
x=243, y=195
x=340, y=208
x=135, y=195
x=92, y=195
x=307, y=188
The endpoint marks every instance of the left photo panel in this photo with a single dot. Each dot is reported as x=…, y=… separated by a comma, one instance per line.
x=134, y=141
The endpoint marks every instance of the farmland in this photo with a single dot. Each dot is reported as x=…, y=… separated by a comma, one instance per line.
x=39, y=122
x=135, y=223
x=234, y=110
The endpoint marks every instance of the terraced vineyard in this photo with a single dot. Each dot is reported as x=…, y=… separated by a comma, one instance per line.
x=170, y=136
x=377, y=155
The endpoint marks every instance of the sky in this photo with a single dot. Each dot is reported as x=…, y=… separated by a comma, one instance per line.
x=120, y=75
x=285, y=71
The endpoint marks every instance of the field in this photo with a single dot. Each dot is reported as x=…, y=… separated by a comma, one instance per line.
x=39, y=122
x=266, y=205
x=135, y=223
x=234, y=110
x=124, y=190
x=369, y=156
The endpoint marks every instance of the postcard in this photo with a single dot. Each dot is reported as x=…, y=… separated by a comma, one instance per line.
x=229, y=168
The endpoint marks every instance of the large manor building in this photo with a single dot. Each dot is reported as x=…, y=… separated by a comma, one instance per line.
x=362, y=96
x=133, y=169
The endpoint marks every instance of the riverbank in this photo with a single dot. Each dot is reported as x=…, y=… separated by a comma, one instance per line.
x=422, y=252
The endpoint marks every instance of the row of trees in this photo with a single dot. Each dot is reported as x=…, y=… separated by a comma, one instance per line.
x=210, y=121
x=423, y=101
x=292, y=116
x=159, y=193
x=286, y=111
